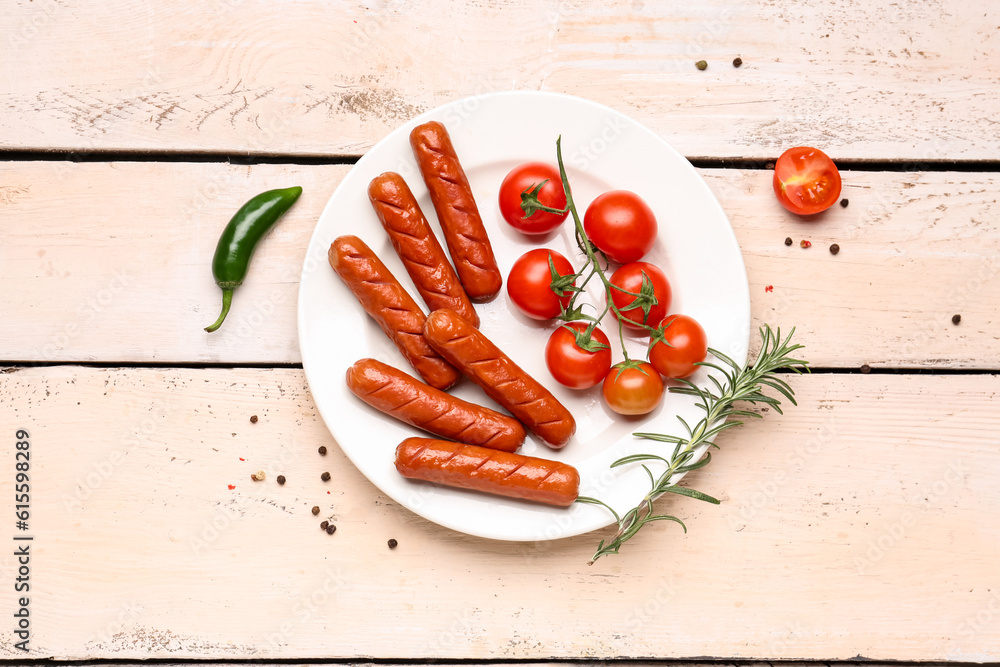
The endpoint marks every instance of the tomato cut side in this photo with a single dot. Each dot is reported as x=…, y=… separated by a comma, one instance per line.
x=806, y=181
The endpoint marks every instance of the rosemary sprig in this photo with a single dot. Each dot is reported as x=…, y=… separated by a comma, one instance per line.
x=740, y=384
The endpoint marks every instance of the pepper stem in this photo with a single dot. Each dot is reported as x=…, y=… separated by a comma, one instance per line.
x=227, y=301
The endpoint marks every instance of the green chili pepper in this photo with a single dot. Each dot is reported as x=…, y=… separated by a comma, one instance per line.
x=239, y=240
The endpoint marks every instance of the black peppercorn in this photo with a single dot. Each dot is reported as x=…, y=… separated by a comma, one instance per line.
x=737, y=61
x=955, y=319
x=322, y=451
x=788, y=240
x=281, y=479
x=315, y=510
x=866, y=369
x=393, y=544
x=325, y=477
x=331, y=529
x=844, y=202
x=324, y=525
x=253, y=419
x=834, y=249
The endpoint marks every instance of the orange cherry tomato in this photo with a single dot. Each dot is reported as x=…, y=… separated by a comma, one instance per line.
x=633, y=390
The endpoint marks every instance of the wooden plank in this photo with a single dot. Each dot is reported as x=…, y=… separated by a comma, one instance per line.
x=881, y=79
x=871, y=502
x=110, y=262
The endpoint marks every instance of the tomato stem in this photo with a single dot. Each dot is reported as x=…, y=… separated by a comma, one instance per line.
x=530, y=204
x=621, y=336
x=592, y=261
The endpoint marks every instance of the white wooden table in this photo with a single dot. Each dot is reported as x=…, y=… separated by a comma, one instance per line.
x=863, y=524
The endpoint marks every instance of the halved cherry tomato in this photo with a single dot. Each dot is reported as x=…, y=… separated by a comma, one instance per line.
x=573, y=366
x=631, y=277
x=529, y=283
x=806, y=181
x=621, y=224
x=524, y=178
x=633, y=389
x=689, y=342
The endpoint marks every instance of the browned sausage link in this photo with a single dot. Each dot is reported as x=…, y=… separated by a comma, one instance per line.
x=504, y=381
x=417, y=247
x=456, y=211
x=404, y=397
x=481, y=469
x=391, y=306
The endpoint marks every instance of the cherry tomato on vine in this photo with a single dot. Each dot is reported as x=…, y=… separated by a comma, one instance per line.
x=631, y=277
x=621, y=224
x=571, y=365
x=633, y=389
x=689, y=342
x=525, y=178
x=529, y=283
x=806, y=181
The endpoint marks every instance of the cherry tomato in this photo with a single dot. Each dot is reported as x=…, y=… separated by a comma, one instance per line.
x=621, y=224
x=529, y=283
x=633, y=390
x=630, y=277
x=689, y=346
x=806, y=180
x=573, y=366
x=524, y=178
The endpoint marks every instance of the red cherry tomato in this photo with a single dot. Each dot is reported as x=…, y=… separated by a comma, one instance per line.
x=689, y=346
x=529, y=283
x=633, y=390
x=573, y=366
x=524, y=178
x=806, y=181
x=630, y=277
x=621, y=224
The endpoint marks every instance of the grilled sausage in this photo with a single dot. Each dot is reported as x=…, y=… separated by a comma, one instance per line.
x=488, y=470
x=504, y=381
x=456, y=211
x=385, y=300
x=417, y=247
x=401, y=396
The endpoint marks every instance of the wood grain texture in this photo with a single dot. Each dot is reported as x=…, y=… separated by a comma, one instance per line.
x=113, y=261
x=880, y=79
x=110, y=262
x=858, y=524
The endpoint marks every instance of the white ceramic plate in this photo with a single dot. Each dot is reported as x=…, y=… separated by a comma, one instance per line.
x=603, y=150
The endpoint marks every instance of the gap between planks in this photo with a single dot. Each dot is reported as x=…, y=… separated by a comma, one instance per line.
x=550, y=662
x=700, y=162
x=11, y=367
